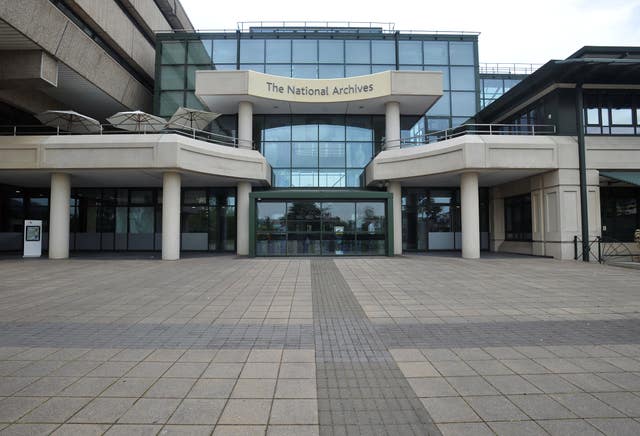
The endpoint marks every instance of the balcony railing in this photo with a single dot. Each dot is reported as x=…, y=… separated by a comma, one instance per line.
x=107, y=129
x=479, y=129
x=507, y=68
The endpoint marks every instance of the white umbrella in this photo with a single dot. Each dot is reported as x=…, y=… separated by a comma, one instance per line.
x=191, y=118
x=137, y=121
x=70, y=121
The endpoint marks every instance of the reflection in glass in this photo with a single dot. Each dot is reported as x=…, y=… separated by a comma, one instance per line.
x=252, y=51
x=304, y=154
x=357, y=51
x=331, y=51
x=278, y=50
x=383, y=52
x=436, y=52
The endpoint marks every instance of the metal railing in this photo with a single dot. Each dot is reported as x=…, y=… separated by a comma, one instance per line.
x=108, y=129
x=245, y=26
x=478, y=129
x=602, y=249
x=507, y=68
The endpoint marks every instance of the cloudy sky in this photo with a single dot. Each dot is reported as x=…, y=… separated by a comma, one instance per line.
x=531, y=31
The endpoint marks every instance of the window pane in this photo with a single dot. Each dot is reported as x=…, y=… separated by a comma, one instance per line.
x=359, y=154
x=370, y=217
x=278, y=70
x=305, y=132
x=302, y=178
x=332, y=154
x=199, y=52
x=304, y=71
x=354, y=178
x=410, y=52
x=330, y=71
x=463, y=103
x=253, y=67
x=141, y=197
x=437, y=124
x=277, y=129
x=173, y=52
x=281, y=178
x=357, y=70
x=383, y=52
x=170, y=101
x=141, y=220
x=305, y=51
x=621, y=116
x=225, y=51
x=463, y=79
x=331, y=132
x=461, y=53
x=357, y=52
x=278, y=154
x=410, y=67
x=436, y=52
x=271, y=216
x=339, y=214
x=332, y=178
x=331, y=51
x=304, y=154
x=193, y=102
x=172, y=77
x=252, y=51
x=358, y=133
x=278, y=51
x=194, y=196
x=442, y=106
x=381, y=68
x=191, y=74
x=593, y=116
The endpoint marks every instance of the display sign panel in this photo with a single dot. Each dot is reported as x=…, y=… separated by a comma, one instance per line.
x=32, y=238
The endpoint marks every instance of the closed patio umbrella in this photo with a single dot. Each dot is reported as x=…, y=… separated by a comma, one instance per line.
x=191, y=118
x=137, y=121
x=69, y=121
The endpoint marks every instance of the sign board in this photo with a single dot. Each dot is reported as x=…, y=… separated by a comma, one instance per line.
x=32, y=238
x=319, y=90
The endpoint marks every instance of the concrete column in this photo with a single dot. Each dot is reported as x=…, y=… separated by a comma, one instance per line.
x=245, y=125
x=392, y=125
x=59, y=216
x=470, y=215
x=171, y=183
x=242, y=216
x=396, y=190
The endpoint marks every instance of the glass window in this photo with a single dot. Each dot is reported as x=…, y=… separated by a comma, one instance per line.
x=172, y=77
x=381, y=68
x=141, y=219
x=359, y=154
x=445, y=74
x=437, y=124
x=442, y=106
x=463, y=103
x=304, y=71
x=510, y=83
x=193, y=102
x=195, y=219
x=194, y=196
x=278, y=70
x=331, y=51
x=253, y=67
x=463, y=79
x=593, y=116
x=339, y=214
x=199, y=52
x=252, y=51
x=621, y=116
x=357, y=70
x=461, y=53
x=410, y=67
x=356, y=130
x=304, y=132
x=355, y=178
x=370, y=217
x=330, y=71
x=383, y=52
x=141, y=197
x=277, y=128
x=332, y=178
x=278, y=154
x=281, y=178
x=225, y=51
x=436, y=52
x=173, y=52
x=278, y=50
x=191, y=74
x=332, y=154
x=303, y=178
x=305, y=51
x=271, y=216
x=331, y=132
x=357, y=52
x=304, y=154
x=410, y=52
x=170, y=102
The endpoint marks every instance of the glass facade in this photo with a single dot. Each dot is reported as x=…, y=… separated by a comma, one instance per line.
x=324, y=55
x=431, y=219
x=612, y=113
x=619, y=211
x=314, y=228
x=492, y=86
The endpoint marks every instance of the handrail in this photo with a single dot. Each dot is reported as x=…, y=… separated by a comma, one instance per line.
x=108, y=129
x=480, y=129
x=507, y=68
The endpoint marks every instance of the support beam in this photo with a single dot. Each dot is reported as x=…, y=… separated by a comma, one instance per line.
x=59, y=216
x=171, y=183
x=242, y=215
x=582, y=165
x=245, y=125
x=392, y=125
x=470, y=215
x=396, y=190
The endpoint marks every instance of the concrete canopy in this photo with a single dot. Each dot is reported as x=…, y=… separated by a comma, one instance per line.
x=415, y=91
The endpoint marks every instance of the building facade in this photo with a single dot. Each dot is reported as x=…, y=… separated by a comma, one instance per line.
x=343, y=141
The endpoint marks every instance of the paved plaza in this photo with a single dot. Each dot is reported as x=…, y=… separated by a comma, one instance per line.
x=348, y=346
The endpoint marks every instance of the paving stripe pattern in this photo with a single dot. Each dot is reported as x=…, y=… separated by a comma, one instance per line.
x=361, y=389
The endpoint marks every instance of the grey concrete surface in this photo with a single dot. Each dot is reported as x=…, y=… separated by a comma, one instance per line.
x=407, y=345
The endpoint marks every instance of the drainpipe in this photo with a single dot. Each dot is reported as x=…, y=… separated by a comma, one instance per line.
x=582, y=152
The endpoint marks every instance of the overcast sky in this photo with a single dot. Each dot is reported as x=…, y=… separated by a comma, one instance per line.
x=530, y=31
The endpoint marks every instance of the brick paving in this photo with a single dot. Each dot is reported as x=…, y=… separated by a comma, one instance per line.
x=219, y=345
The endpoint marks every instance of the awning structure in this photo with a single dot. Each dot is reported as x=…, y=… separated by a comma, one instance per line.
x=632, y=177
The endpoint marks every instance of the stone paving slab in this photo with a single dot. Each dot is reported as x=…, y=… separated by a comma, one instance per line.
x=223, y=345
